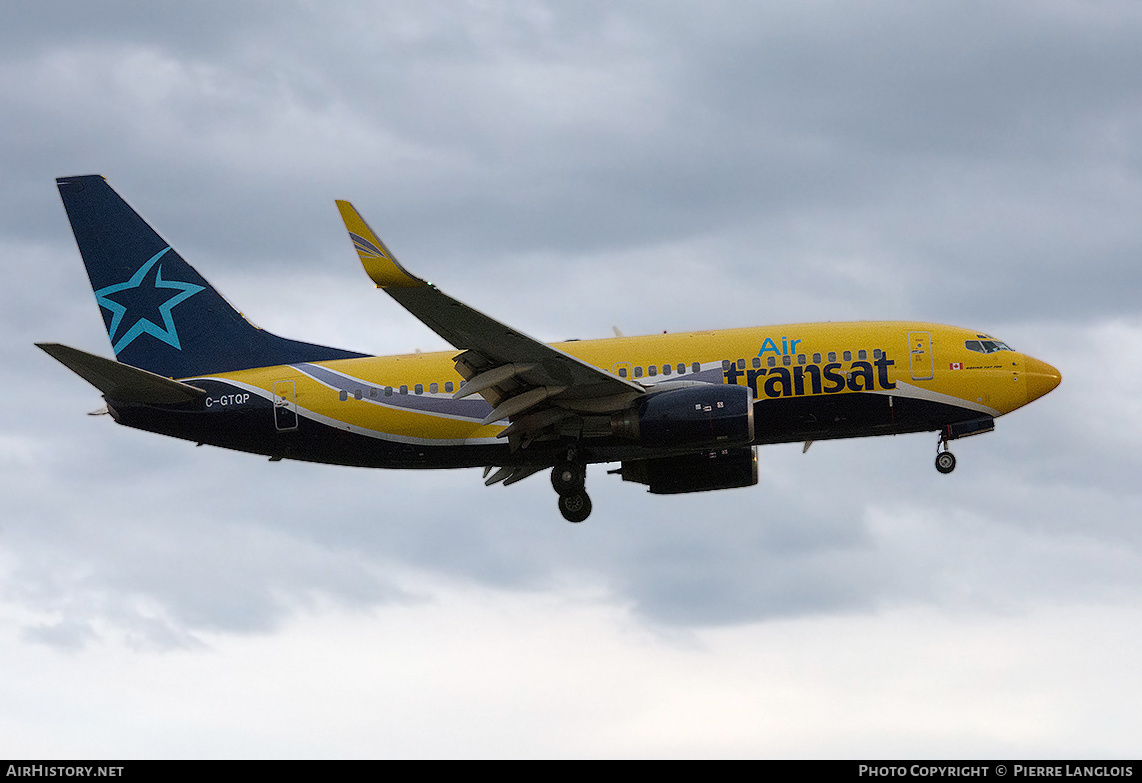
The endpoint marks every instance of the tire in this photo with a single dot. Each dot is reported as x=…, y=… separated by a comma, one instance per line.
x=575, y=507
x=568, y=478
x=945, y=462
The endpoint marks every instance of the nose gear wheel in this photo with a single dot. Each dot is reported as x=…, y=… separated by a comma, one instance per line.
x=945, y=460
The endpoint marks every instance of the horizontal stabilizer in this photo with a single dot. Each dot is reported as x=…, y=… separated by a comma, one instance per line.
x=122, y=382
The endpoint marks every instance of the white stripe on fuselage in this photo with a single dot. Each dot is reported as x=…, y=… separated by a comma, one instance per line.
x=917, y=393
x=339, y=424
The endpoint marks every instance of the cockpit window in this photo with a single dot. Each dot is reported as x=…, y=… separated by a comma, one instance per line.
x=986, y=345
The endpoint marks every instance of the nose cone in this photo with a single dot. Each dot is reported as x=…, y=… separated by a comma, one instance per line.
x=1041, y=378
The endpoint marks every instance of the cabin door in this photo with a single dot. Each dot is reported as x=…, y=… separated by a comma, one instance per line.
x=920, y=355
x=285, y=406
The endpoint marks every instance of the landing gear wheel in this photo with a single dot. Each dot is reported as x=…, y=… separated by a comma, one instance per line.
x=569, y=477
x=945, y=462
x=575, y=507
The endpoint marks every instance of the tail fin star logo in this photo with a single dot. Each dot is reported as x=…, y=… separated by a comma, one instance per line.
x=142, y=299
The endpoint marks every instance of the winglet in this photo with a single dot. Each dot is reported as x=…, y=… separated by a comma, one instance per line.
x=379, y=262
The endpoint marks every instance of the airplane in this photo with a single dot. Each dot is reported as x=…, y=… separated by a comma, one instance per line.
x=679, y=412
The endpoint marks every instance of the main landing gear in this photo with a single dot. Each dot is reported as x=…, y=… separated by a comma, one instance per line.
x=569, y=478
x=945, y=460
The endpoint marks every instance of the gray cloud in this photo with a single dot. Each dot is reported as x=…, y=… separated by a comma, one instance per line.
x=566, y=169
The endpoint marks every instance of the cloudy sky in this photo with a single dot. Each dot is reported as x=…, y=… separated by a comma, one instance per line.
x=568, y=168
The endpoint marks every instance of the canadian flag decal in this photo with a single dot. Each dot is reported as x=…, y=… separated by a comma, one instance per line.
x=956, y=366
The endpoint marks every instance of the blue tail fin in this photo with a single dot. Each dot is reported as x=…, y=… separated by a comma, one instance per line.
x=161, y=315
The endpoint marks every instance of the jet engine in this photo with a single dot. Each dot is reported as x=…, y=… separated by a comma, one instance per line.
x=706, y=415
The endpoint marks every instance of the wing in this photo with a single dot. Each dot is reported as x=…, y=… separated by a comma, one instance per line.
x=538, y=388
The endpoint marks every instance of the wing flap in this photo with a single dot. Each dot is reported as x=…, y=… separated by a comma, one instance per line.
x=511, y=475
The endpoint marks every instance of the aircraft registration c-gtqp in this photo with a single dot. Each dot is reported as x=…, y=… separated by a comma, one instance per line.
x=679, y=412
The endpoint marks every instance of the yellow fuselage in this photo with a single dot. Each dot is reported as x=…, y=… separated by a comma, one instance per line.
x=793, y=369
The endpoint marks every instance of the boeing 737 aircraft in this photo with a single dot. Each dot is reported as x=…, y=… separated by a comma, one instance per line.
x=678, y=412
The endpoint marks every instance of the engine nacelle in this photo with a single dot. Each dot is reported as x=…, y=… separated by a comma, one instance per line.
x=695, y=416
x=719, y=469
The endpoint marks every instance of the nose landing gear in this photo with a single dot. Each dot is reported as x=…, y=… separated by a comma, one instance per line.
x=945, y=460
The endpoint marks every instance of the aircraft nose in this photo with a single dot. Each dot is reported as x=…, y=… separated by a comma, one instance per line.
x=1041, y=378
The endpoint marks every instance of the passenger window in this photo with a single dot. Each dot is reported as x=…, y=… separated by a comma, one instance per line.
x=681, y=369
x=741, y=364
x=848, y=356
x=832, y=356
x=404, y=390
x=448, y=387
x=638, y=372
x=373, y=393
x=787, y=360
x=770, y=361
x=696, y=367
x=816, y=358
x=756, y=362
x=388, y=391
x=419, y=388
x=622, y=372
x=358, y=394
x=666, y=369
x=862, y=354
x=433, y=388
x=652, y=370
x=876, y=353
x=342, y=395
x=725, y=364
